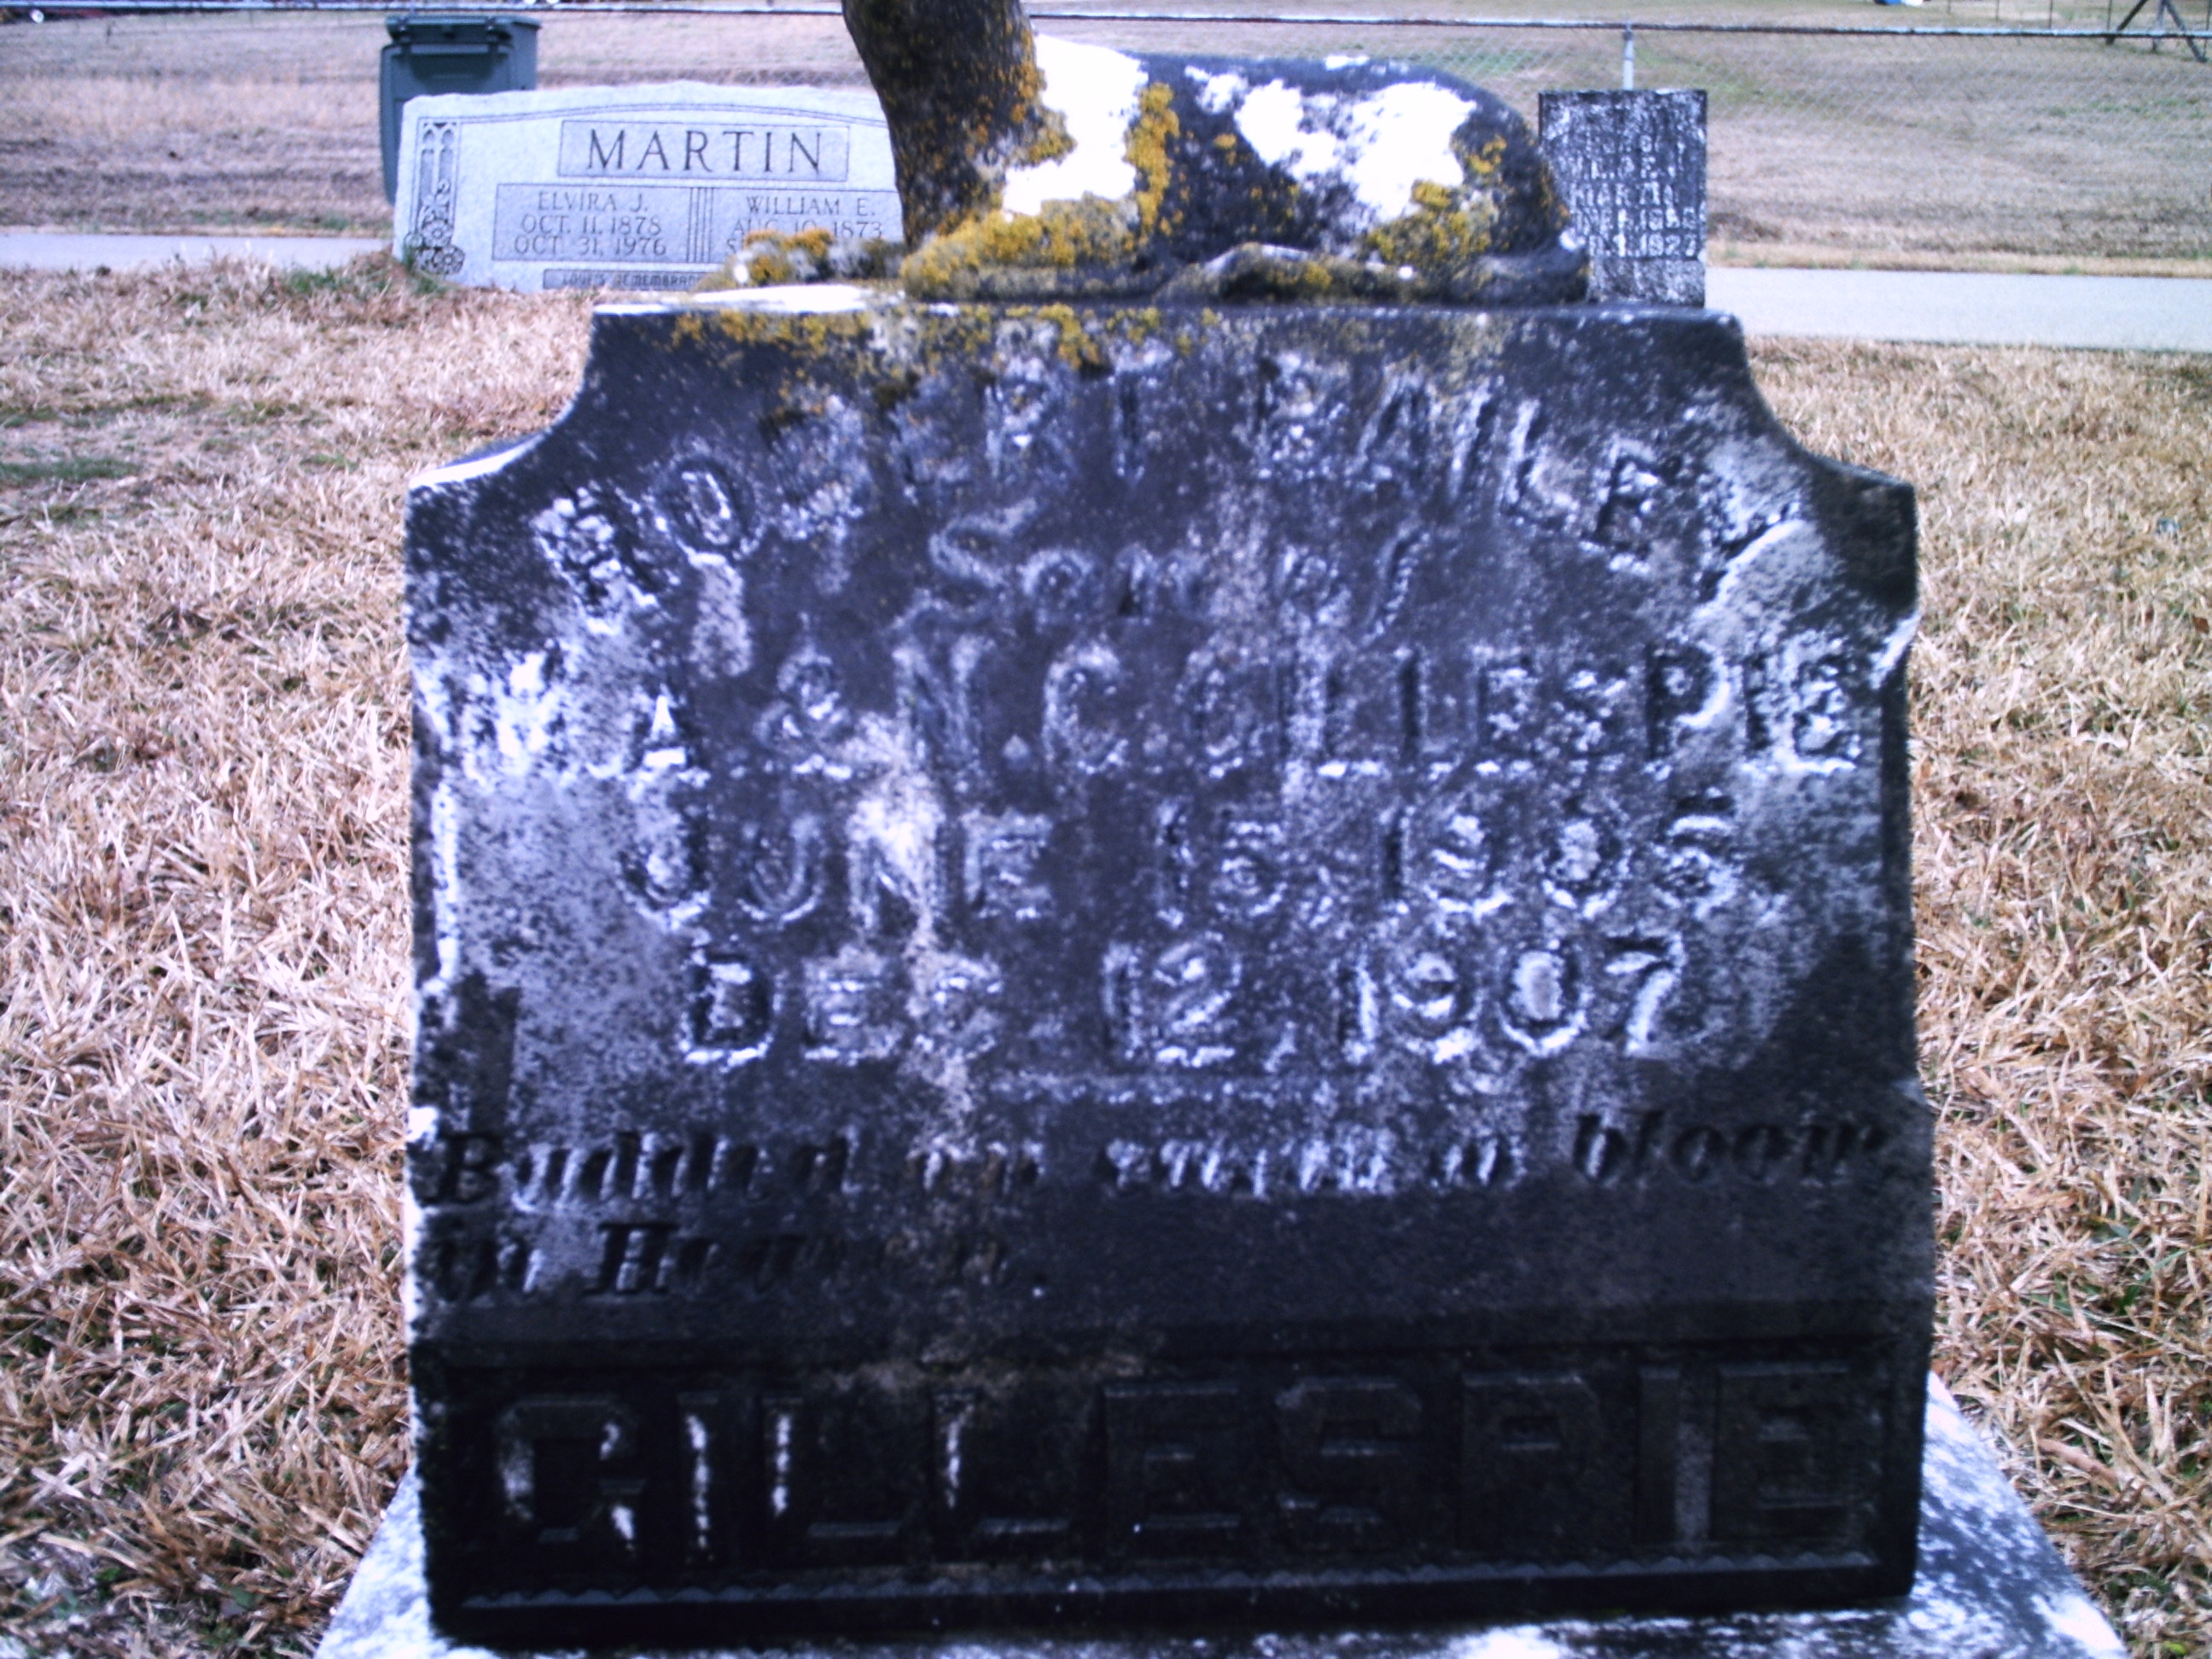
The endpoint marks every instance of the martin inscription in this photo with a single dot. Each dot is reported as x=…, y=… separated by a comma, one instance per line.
x=658, y=150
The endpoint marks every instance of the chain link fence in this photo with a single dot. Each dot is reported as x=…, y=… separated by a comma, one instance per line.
x=1945, y=145
x=2028, y=143
x=1995, y=128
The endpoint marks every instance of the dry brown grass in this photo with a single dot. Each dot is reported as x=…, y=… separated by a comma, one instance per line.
x=202, y=753
x=203, y=761
x=2063, y=834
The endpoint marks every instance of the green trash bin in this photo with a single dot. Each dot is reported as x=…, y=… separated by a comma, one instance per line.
x=433, y=53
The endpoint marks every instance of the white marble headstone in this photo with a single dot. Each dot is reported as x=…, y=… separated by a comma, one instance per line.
x=633, y=187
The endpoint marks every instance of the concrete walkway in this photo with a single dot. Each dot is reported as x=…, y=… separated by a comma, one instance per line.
x=45, y=250
x=2134, y=314
x=2130, y=313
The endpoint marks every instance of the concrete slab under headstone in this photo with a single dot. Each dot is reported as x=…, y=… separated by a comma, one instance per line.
x=1989, y=1587
x=633, y=187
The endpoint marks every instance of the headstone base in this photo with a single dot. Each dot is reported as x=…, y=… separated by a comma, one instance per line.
x=1655, y=281
x=1989, y=1583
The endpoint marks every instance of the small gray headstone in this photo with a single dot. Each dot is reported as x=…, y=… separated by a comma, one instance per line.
x=1633, y=167
x=633, y=187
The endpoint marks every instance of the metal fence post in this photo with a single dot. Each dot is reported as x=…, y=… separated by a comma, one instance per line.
x=1628, y=57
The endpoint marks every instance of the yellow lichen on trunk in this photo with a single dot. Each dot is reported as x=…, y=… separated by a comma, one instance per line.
x=1156, y=128
x=1065, y=235
x=1061, y=235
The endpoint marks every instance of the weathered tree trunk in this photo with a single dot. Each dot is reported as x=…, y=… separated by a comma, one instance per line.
x=958, y=81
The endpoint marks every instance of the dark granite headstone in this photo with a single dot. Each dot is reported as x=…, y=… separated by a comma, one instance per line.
x=1631, y=165
x=1131, y=965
